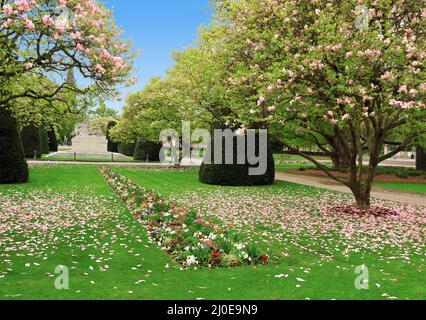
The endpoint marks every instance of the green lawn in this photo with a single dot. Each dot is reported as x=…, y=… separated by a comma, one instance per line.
x=410, y=187
x=113, y=238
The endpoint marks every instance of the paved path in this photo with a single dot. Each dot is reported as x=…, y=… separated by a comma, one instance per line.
x=398, y=163
x=324, y=183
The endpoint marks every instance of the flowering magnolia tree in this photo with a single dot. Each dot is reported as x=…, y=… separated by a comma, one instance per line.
x=50, y=37
x=350, y=75
x=43, y=42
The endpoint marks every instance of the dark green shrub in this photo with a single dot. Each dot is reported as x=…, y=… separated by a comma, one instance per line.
x=44, y=139
x=128, y=149
x=403, y=174
x=112, y=145
x=421, y=159
x=31, y=141
x=147, y=151
x=236, y=174
x=53, y=141
x=13, y=167
x=276, y=145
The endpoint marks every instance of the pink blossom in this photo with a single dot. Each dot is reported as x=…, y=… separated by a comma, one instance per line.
x=403, y=89
x=47, y=21
x=29, y=25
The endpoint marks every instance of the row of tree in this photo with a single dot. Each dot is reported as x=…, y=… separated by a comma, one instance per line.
x=345, y=76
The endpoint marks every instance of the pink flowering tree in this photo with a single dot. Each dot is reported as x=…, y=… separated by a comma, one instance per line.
x=50, y=37
x=348, y=74
x=45, y=39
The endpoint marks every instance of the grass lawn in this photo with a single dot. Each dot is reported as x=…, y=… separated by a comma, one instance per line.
x=77, y=221
x=410, y=187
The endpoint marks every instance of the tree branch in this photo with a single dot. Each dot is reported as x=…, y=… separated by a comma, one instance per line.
x=318, y=164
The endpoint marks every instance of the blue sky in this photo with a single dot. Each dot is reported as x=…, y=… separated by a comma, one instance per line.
x=158, y=27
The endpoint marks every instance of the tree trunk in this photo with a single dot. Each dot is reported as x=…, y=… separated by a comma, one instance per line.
x=339, y=161
x=338, y=155
x=361, y=185
x=363, y=199
x=13, y=167
x=420, y=159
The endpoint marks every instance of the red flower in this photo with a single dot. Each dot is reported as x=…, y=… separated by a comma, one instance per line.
x=264, y=257
x=216, y=254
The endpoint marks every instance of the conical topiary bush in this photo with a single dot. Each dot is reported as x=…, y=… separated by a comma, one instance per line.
x=44, y=139
x=53, y=141
x=147, y=151
x=13, y=167
x=112, y=145
x=236, y=174
x=31, y=141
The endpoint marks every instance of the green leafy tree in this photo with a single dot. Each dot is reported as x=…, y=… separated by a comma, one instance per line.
x=104, y=112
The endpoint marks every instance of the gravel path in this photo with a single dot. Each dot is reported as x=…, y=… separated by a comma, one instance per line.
x=399, y=196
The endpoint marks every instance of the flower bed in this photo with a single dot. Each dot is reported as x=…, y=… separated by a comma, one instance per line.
x=190, y=240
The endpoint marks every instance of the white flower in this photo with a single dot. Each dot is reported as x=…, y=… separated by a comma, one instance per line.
x=212, y=236
x=244, y=255
x=191, y=260
x=240, y=246
x=272, y=108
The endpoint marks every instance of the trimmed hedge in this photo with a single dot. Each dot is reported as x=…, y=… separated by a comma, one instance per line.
x=147, y=151
x=13, y=167
x=112, y=146
x=236, y=174
x=128, y=149
x=31, y=141
x=44, y=139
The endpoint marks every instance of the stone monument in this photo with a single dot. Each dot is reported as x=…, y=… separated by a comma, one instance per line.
x=87, y=140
